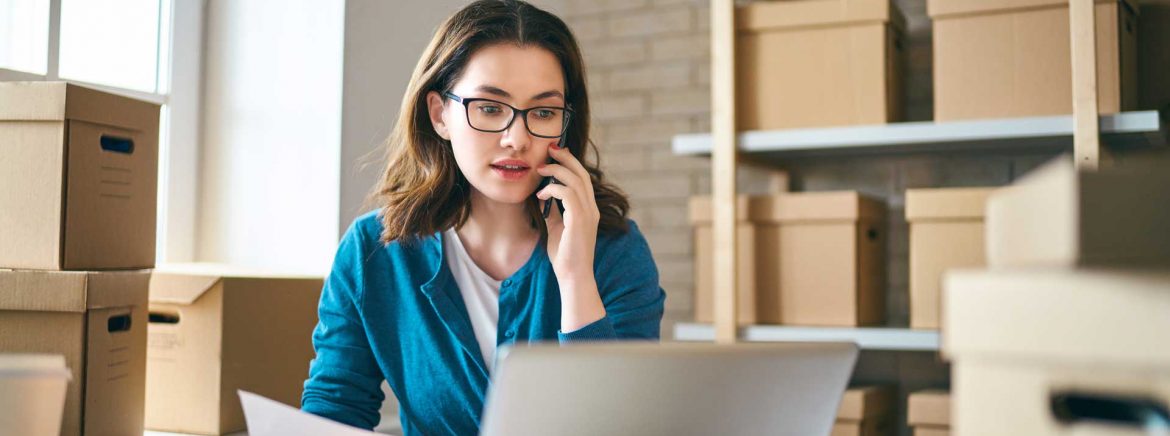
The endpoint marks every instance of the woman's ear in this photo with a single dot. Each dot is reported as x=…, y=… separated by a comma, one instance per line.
x=435, y=110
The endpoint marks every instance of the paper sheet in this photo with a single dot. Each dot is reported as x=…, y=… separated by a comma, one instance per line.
x=266, y=417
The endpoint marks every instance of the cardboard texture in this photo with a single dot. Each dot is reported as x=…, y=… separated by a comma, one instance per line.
x=97, y=320
x=946, y=231
x=214, y=330
x=866, y=402
x=929, y=408
x=701, y=220
x=1014, y=351
x=78, y=182
x=1059, y=216
x=818, y=63
x=1011, y=58
x=829, y=267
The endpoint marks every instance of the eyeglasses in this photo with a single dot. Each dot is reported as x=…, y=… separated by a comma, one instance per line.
x=487, y=115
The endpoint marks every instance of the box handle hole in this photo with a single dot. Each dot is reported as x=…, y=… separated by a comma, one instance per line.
x=871, y=234
x=164, y=318
x=118, y=323
x=1079, y=407
x=117, y=145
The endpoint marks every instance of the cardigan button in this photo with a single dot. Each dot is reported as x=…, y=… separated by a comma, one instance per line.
x=509, y=333
x=507, y=283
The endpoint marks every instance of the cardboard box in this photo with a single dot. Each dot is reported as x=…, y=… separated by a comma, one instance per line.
x=701, y=215
x=946, y=231
x=830, y=261
x=213, y=330
x=930, y=408
x=818, y=63
x=97, y=320
x=1011, y=58
x=78, y=178
x=1021, y=340
x=1059, y=216
x=865, y=411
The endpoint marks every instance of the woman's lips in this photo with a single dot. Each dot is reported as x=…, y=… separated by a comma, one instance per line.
x=511, y=172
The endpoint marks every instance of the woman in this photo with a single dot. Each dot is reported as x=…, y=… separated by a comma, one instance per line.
x=460, y=257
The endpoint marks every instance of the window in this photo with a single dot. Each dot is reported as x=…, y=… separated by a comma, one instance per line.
x=24, y=35
x=124, y=47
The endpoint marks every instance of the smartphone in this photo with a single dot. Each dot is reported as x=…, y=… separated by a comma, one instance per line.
x=545, y=182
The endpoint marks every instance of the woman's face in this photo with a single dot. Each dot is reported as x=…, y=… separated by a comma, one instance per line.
x=501, y=166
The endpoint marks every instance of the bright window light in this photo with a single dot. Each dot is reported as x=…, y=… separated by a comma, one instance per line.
x=111, y=42
x=24, y=35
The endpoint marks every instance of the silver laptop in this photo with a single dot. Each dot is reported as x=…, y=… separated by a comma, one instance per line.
x=668, y=389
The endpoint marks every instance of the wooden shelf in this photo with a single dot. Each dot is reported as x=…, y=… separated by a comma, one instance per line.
x=1127, y=130
x=890, y=339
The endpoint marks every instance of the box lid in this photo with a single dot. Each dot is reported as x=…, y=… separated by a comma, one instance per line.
x=69, y=291
x=865, y=402
x=777, y=15
x=184, y=283
x=930, y=407
x=59, y=101
x=817, y=206
x=951, y=8
x=1085, y=316
x=946, y=203
x=700, y=211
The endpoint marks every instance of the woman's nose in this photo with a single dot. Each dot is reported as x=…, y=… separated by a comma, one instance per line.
x=516, y=136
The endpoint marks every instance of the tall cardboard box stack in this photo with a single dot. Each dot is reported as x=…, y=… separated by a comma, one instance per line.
x=946, y=231
x=77, y=190
x=214, y=330
x=815, y=63
x=866, y=411
x=1066, y=333
x=929, y=413
x=1011, y=58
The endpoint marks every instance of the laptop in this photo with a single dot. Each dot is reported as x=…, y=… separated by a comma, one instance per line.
x=668, y=389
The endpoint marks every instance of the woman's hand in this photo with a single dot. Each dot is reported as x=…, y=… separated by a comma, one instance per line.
x=572, y=238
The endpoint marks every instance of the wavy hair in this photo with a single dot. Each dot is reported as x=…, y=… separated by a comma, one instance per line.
x=422, y=191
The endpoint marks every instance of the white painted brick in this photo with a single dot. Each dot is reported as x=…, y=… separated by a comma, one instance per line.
x=618, y=106
x=682, y=101
x=654, y=22
x=667, y=160
x=661, y=185
x=666, y=242
x=686, y=47
x=587, y=29
x=702, y=73
x=671, y=216
x=610, y=54
x=651, y=132
x=595, y=81
x=575, y=8
x=630, y=160
x=650, y=77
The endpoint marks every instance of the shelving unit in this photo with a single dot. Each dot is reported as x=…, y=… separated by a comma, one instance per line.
x=1124, y=131
x=880, y=339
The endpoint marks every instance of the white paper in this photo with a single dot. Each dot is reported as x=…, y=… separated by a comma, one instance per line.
x=266, y=417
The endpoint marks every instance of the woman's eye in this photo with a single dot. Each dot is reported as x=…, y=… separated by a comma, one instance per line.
x=490, y=110
x=544, y=114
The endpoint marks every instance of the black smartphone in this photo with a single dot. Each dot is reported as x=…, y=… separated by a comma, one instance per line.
x=546, y=181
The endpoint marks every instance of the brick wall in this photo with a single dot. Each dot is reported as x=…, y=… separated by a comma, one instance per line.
x=649, y=77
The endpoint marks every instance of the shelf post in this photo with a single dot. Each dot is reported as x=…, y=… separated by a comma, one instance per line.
x=723, y=164
x=1086, y=127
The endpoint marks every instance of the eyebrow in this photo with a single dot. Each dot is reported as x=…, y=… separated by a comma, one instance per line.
x=502, y=93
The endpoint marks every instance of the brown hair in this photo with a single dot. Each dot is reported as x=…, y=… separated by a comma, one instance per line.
x=422, y=190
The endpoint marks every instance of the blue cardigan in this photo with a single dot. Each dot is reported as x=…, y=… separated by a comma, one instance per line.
x=394, y=312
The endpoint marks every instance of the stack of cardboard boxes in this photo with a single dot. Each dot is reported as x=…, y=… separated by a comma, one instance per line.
x=1065, y=333
x=929, y=413
x=866, y=411
x=77, y=191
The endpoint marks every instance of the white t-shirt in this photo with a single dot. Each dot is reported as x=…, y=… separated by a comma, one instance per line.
x=481, y=294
